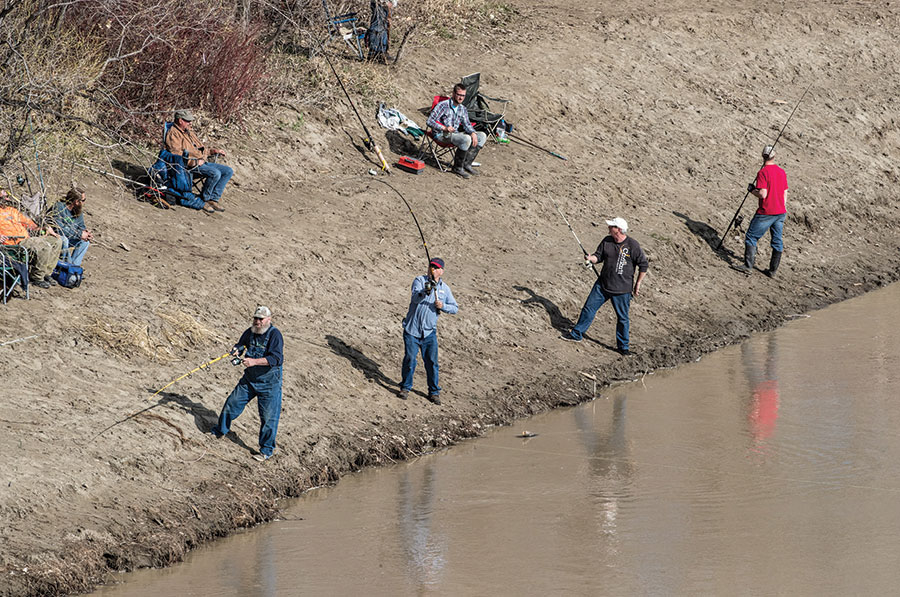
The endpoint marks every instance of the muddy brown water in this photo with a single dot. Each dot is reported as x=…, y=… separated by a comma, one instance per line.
x=772, y=467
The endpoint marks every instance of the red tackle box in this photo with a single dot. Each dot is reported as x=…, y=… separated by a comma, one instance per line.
x=411, y=164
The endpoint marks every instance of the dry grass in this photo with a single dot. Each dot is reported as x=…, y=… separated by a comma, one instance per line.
x=158, y=341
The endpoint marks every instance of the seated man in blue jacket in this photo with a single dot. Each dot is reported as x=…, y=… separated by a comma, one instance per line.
x=68, y=220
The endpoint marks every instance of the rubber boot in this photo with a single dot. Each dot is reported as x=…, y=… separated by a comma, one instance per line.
x=459, y=161
x=774, y=262
x=470, y=157
x=749, y=258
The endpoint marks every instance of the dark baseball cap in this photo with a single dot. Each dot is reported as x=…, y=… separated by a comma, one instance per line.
x=437, y=262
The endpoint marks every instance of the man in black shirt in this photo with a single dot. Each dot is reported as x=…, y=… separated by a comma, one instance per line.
x=620, y=256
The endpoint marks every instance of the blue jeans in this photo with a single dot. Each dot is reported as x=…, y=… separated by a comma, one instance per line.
x=595, y=300
x=78, y=252
x=217, y=176
x=758, y=227
x=267, y=390
x=429, y=348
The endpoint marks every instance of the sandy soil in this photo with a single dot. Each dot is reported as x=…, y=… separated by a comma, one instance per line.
x=661, y=108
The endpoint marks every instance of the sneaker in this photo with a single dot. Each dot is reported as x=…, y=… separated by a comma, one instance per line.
x=261, y=457
x=41, y=283
x=434, y=399
x=216, y=206
x=50, y=280
x=568, y=336
x=403, y=394
x=208, y=207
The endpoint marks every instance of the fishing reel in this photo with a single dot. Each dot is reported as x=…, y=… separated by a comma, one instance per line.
x=238, y=358
x=429, y=285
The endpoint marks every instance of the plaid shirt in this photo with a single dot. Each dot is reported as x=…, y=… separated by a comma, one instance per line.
x=446, y=115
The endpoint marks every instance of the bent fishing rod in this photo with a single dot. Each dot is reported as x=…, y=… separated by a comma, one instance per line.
x=412, y=213
x=367, y=140
x=572, y=230
x=747, y=194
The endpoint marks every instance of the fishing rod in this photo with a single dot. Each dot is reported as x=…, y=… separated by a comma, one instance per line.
x=203, y=366
x=37, y=161
x=143, y=410
x=572, y=230
x=412, y=213
x=367, y=140
x=111, y=175
x=747, y=194
x=535, y=145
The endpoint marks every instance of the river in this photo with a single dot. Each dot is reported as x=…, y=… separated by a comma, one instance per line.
x=771, y=467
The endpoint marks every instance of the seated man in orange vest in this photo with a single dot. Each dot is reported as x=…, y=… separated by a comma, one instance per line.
x=43, y=244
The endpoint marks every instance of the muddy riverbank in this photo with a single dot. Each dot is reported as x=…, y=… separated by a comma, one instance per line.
x=661, y=113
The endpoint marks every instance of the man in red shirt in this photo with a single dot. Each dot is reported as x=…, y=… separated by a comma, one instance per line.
x=771, y=189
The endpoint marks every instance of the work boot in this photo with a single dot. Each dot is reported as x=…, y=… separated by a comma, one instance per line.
x=749, y=258
x=459, y=161
x=774, y=262
x=470, y=157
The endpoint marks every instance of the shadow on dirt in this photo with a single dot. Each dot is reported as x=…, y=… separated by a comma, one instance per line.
x=369, y=368
x=708, y=234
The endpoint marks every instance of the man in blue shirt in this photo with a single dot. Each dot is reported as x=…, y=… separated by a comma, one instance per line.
x=430, y=297
x=261, y=352
x=450, y=122
x=68, y=219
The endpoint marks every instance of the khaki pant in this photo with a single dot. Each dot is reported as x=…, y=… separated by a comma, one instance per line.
x=43, y=253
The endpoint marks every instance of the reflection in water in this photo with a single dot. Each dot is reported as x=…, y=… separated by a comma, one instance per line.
x=608, y=464
x=760, y=357
x=424, y=547
x=648, y=490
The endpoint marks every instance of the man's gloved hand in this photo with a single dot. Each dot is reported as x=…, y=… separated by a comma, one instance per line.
x=751, y=187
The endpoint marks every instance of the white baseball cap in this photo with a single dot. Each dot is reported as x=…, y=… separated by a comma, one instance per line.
x=262, y=312
x=619, y=223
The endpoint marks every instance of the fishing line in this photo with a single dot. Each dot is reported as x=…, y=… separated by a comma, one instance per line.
x=412, y=213
x=572, y=230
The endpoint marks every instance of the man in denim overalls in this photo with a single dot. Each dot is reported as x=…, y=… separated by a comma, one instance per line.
x=262, y=347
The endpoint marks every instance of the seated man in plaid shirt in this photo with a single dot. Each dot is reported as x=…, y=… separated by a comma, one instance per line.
x=450, y=122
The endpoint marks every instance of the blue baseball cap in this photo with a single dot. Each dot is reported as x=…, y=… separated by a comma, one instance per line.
x=437, y=262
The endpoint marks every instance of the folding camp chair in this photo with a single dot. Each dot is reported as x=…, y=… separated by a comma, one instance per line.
x=13, y=270
x=344, y=26
x=479, y=109
x=175, y=180
x=431, y=147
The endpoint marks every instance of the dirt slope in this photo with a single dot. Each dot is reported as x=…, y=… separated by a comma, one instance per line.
x=662, y=110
